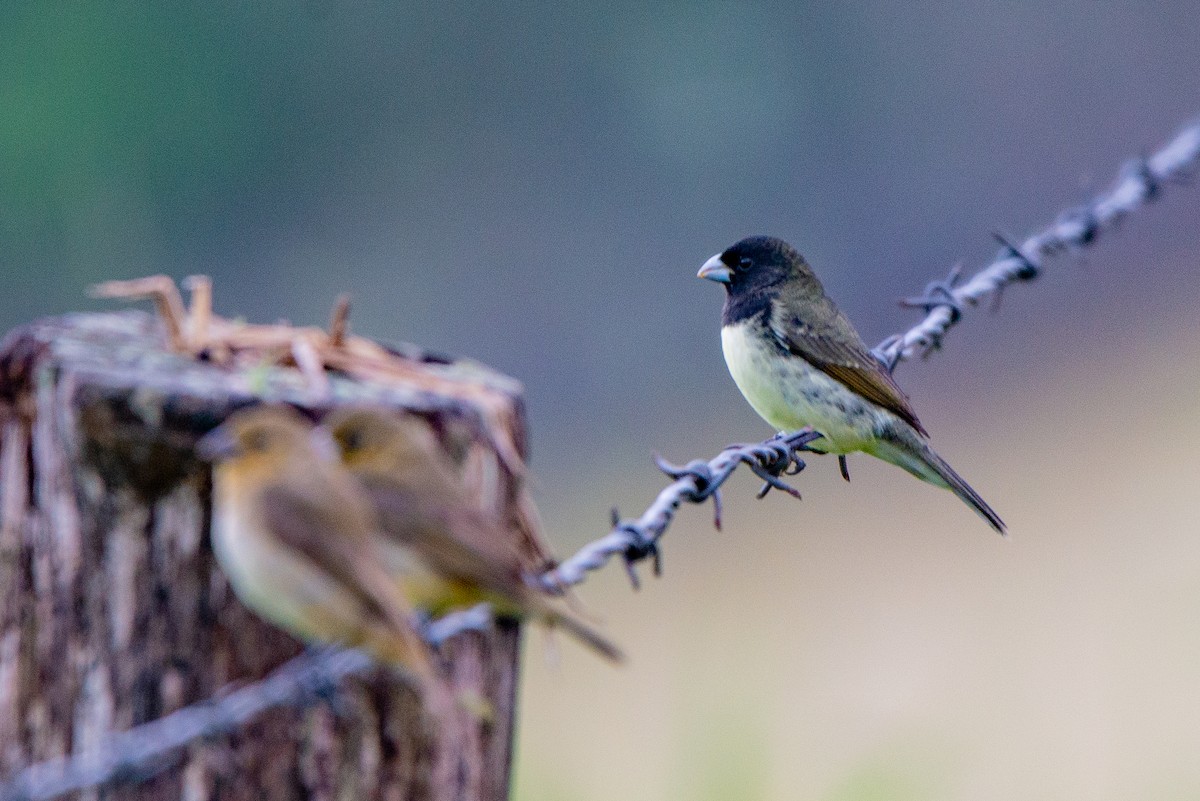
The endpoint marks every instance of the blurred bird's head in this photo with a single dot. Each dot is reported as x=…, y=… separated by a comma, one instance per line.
x=758, y=264
x=260, y=438
x=380, y=439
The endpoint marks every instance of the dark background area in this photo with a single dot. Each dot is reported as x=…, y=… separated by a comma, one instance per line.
x=536, y=188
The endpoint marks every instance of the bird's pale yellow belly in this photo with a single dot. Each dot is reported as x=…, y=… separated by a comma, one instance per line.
x=790, y=394
x=281, y=586
x=424, y=587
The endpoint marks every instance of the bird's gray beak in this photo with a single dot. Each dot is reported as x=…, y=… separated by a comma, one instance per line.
x=716, y=270
x=216, y=445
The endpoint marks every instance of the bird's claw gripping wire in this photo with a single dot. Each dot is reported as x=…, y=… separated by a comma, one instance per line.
x=771, y=482
x=696, y=481
x=776, y=457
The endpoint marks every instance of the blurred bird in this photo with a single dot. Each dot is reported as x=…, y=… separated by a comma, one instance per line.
x=297, y=538
x=478, y=468
x=449, y=552
x=799, y=362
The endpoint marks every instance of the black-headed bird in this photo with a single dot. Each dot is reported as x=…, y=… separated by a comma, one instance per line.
x=799, y=362
x=448, y=551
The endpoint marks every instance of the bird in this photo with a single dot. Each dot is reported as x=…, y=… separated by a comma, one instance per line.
x=298, y=539
x=799, y=362
x=478, y=466
x=450, y=552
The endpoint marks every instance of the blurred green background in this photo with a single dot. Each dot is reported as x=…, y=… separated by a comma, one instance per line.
x=536, y=187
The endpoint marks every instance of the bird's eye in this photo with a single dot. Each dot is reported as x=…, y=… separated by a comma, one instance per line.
x=353, y=441
x=745, y=263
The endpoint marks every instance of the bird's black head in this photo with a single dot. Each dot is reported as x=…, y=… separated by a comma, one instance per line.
x=752, y=271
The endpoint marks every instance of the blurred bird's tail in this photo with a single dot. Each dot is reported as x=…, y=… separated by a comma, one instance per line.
x=581, y=631
x=906, y=449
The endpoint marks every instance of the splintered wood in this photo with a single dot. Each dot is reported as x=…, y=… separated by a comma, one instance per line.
x=198, y=332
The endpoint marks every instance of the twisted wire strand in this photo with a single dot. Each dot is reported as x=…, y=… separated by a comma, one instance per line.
x=1140, y=181
x=695, y=482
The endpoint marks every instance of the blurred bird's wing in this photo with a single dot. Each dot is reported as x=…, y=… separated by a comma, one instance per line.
x=455, y=541
x=331, y=534
x=836, y=349
x=459, y=542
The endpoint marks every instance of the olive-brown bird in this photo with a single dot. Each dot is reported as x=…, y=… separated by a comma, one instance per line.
x=449, y=552
x=799, y=362
x=298, y=539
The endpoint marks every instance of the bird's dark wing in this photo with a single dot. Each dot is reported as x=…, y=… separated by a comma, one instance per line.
x=332, y=533
x=835, y=348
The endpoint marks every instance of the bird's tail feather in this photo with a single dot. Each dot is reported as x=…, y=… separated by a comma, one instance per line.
x=916, y=457
x=582, y=632
x=963, y=490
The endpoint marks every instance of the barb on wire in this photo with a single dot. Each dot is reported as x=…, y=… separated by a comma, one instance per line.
x=696, y=482
x=145, y=750
x=944, y=302
x=1140, y=181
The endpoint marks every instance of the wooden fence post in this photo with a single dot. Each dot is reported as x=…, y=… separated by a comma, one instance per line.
x=114, y=613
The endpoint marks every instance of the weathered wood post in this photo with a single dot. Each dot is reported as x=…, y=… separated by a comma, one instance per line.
x=112, y=609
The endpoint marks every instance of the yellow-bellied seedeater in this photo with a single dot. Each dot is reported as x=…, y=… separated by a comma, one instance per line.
x=449, y=552
x=799, y=362
x=297, y=537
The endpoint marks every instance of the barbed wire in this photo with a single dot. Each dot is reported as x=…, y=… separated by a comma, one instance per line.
x=944, y=302
x=149, y=748
x=1140, y=180
x=696, y=482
